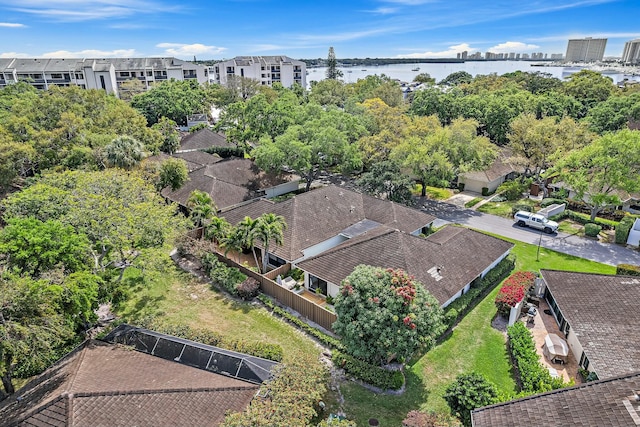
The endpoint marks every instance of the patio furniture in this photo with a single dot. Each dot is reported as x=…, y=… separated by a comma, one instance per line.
x=289, y=283
x=531, y=314
x=556, y=349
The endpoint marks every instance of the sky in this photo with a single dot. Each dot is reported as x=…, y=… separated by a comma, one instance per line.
x=220, y=29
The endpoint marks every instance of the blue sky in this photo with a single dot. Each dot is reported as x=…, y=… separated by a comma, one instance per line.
x=306, y=28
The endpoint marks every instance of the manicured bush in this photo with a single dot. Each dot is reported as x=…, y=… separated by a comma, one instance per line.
x=628, y=270
x=513, y=190
x=582, y=218
x=465, y=303
x=550, y=201
x=374, y=375
x=468, y=392
x=254, y=348
x=514, y=290
x=534, y=377
x=623, y=229
x=485, y=191
x=591, y=229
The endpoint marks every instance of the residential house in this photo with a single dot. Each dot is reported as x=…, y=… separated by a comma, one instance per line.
x=231, y=181
x=599, y=316
x=613, y=402
x=168, y=381
x=203, y=139
x=501, y=170
x=321, y=219
x=446, y=262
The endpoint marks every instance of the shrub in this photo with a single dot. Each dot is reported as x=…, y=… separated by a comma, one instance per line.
x=628, y=270
x=225, y=152
x=248, y=289
x=468, y=392
x=513, y=190
x=582, y=218
x=471, y=203
x=623, y=229
x=550, y=201
x=534, y=377
x=514, y=290
x=498, y=199
x=227, y=277
x=296, y=274
x=254, y=348
x=461, y=186
x=464, y=304
x=485, y=191
x=592, y=230
x=520, y=207
x=373, y=375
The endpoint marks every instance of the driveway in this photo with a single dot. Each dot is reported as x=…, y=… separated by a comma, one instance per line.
x=569, y=244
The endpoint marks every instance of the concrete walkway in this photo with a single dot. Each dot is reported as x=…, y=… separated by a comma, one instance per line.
x=594, y=250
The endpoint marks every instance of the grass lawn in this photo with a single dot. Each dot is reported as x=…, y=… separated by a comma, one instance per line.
x=503, y=209
x=473, y=346
x=433, y=193
x=176, y=297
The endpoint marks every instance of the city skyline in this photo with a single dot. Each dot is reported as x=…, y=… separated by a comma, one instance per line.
x=228, y=28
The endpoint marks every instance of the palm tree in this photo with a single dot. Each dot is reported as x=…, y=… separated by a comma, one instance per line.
x=202, y=207
x=124, y=152
x=247, y=229
x=233, y=241
x=269, y=229
x=217, y=229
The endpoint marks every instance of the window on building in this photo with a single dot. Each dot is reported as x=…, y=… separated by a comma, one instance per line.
x=67, y=76
x=317, y=284
x=79, y=76
x=102, y=83
x=584, y=361
x=57, y=76
x=150, y=73
x=124, y=74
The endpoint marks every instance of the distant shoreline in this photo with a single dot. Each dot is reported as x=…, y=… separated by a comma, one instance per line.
x=356, y=62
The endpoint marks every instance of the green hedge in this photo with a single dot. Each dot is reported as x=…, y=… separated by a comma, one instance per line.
x=628, y=270
x=374, y=375
x=254, y=348
x=534, y=377
x=582, y=218
x=520, y=207
x=464, y=304
x=592, y=230
x=623, y=229
x=226, y=152
x=227, y=277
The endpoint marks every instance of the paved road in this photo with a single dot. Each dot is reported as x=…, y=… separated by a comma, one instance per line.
x=569, y=244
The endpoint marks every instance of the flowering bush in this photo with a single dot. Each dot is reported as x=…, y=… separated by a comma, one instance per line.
x=514, y=290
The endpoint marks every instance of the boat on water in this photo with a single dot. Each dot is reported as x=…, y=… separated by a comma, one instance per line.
x=415, y=69
x=364, y=69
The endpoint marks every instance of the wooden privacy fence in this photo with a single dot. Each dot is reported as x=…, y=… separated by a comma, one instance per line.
x=284, y=296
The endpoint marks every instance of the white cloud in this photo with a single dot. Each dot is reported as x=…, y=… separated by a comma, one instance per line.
x=449, y=53
x=84, y=10
x=411, y=2
x=13, y=55
x=182, y=50
x=11, y=25
x=92, y=53
x=517, y=47
x=384, y=10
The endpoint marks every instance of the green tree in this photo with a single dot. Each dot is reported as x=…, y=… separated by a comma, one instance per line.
x=170, y=135
x=31, y=328
x=385, y=315
x=33, y=247
x=385, y=180
x=233, y=241
x=332, y=72
x=201, y=208
x=456, y=78
x=589, y=88
x=173, y=173
x=330, y=92
x=130, y=88
x=124, y=152
x=247, y=232
x=599, y=172
x=218, y=230
x=468, y=392
x=173, y=99
x=78, y=295
x=378, y=86
x=270, y=228
x=615, y=113
x=424, y=78
x=307, y=150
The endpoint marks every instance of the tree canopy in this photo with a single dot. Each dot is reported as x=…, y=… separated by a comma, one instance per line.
x=385, y=315
x=173, y=99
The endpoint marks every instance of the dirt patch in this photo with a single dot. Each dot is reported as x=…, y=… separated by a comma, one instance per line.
x=500, y=323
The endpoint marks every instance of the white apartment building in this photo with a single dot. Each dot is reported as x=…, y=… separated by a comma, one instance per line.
x=631, y=52
x=265, y=69
x=585, y=50
x=106, y=73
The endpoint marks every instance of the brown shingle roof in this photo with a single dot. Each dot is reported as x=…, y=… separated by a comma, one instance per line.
x=501, y=166
x=594, y=404
x=461, y=254
x=323, y=213
x=602, y=310
x=203, y=139
x=197, y=159
x=101, y=384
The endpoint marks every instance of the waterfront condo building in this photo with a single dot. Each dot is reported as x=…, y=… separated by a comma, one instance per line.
x=105, y=73
x=265, y=69
x=631, y=53
x=585, y=50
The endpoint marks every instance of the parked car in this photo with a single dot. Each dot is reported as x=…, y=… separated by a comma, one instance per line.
x=529, y=219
